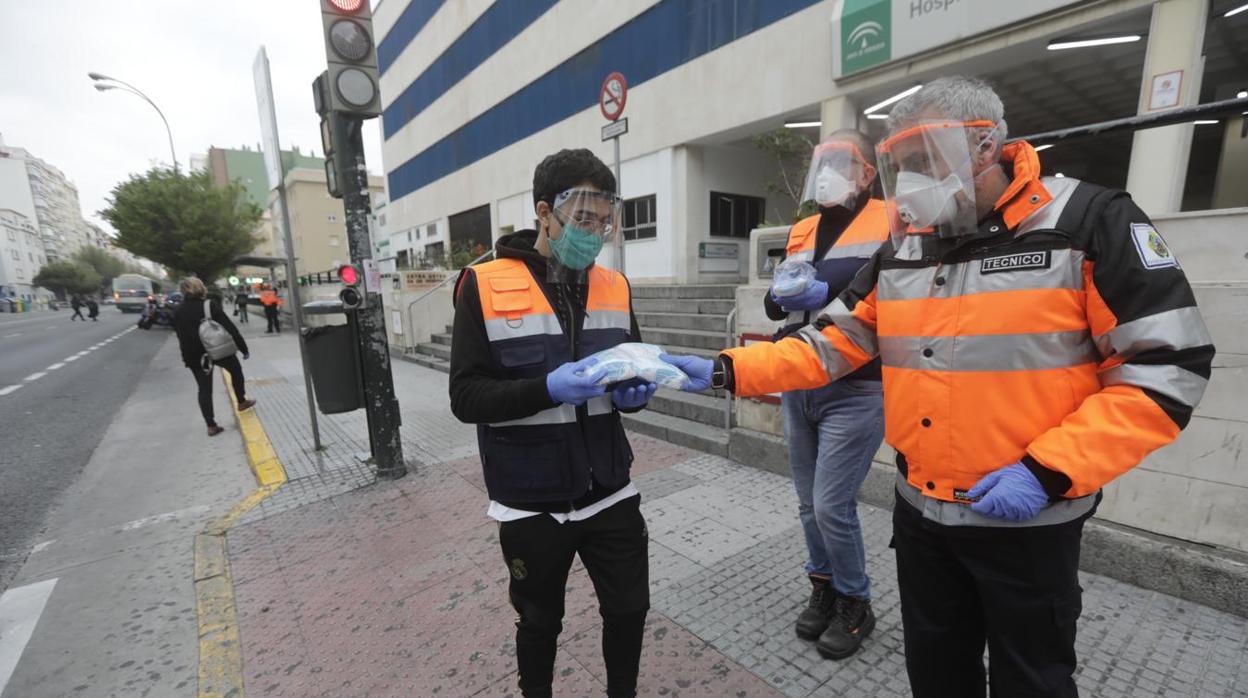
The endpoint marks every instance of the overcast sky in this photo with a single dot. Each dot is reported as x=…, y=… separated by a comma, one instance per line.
x=193, y=58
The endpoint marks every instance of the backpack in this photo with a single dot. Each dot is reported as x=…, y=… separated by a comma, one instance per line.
x=218, y=344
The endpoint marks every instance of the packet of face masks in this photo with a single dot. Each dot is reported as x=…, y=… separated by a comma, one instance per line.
x=631, y=360
x=792, y=277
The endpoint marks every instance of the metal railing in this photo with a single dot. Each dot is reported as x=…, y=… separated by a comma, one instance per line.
x=729, y=335
x=1141, y=121
x=430, y=292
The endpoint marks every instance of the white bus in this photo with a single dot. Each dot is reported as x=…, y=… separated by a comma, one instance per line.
x=131, y=292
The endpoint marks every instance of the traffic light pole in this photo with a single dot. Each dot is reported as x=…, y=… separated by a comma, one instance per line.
x=380, y=402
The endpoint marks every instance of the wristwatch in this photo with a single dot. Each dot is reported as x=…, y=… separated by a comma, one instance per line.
x=719, y=375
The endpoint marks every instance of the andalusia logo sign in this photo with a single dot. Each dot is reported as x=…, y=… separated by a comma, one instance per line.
x=865, y=34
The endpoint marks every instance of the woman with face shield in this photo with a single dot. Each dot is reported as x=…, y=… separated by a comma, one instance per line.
x=554, y=452
x=833, y=431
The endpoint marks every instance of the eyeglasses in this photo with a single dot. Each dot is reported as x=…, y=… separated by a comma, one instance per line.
x=602, y=225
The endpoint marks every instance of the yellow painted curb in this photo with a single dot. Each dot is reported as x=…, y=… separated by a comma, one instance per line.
x=220, y=654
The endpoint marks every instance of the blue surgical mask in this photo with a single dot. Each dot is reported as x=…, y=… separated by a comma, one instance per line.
x=576, y=248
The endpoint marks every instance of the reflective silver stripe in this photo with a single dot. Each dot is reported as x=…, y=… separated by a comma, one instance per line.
x=802, y=256
x=560, y=414
x=911, y=247
x=959, y=514
x=861, y=250
x=905, y=284
x=965, y=278
x=1046, y=218
x=990, y=352
x=1171, y=381
x=607, y=320
x=1181, y=328
x=600, y=405
x=858, y=332
x=833, y=363
x=498, y=329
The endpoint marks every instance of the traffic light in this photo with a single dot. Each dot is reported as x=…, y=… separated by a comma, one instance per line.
x=351, y=295
x=352, y=55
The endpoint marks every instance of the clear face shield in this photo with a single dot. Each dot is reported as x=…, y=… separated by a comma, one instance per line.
x=836, y=170
x=587, y=220
x=927, y=172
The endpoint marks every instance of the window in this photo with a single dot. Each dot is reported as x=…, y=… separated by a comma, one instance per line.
x=15, y=255
x=639, y=219
x=431, y=230
x=735, y=215
x=12, y=235
x=435, y=253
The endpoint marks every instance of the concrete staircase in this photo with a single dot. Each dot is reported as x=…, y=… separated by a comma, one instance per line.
x=683, y=319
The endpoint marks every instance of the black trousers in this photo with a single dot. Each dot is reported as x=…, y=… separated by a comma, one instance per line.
x=1015, y=589
x=204, y=380
x=270, y=314
x=243, y=315
x=613, y=547
x=77, y=315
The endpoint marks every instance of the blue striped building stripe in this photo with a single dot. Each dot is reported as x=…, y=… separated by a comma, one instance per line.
x=668, y=35
x=497, y=26
x=413, y=18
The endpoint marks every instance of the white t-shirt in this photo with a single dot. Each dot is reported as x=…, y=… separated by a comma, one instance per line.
x=501, y=513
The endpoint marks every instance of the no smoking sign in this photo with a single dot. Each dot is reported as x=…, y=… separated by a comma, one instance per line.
x=613, y=95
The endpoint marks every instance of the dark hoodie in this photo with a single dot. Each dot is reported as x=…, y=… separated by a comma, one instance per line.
x=478, y=394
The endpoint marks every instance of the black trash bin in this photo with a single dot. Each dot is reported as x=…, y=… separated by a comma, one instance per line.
x=334, y=359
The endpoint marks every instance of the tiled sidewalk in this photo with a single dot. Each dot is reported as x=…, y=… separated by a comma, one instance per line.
x=397, y=588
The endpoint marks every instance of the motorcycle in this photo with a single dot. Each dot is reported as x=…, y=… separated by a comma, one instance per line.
x=159, y=313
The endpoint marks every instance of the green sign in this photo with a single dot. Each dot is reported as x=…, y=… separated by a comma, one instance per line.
x=233, y=280
x=866, y=34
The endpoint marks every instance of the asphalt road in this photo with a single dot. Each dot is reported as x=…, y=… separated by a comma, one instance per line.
x=60, y=385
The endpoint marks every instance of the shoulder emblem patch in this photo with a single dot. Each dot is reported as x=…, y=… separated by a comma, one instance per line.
x=1153, y=250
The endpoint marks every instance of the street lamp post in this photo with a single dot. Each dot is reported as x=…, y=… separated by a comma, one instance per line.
x=101, y=84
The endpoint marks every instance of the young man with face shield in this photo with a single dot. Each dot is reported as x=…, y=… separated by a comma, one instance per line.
x=1038, y=339
x=554, y=452
x=834, y=430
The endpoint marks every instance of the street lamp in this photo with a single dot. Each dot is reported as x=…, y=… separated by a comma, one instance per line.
x=101, y=84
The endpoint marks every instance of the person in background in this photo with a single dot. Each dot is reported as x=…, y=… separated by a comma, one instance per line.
x=1038, y=339
x=186, y=324
x=554, y=452
x=93, y=309
x=834, y=431
x=272, y=304
x=75, y=302
x=241, y=298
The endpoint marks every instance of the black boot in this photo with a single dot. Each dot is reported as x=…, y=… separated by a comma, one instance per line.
x=813, y=619
x=851, y=622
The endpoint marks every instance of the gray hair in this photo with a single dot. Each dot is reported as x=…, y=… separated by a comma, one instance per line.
x=956, y=97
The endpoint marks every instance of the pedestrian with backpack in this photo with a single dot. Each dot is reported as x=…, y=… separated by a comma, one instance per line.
x=208, y=337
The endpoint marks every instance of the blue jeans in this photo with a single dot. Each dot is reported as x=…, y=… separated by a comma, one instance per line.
x=833, y=432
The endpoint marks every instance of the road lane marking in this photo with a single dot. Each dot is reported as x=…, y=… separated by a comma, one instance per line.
x=163, y=518
x=53, y=367
x=11, y=388
x=69, y=359
x=34, y=376
x=20, y=609
x=15, y=334
x=42, y=546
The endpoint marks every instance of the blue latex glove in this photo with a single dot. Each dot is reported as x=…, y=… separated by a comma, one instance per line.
x=697, y=368
x=815, y=297
x=630, y=395
x=575, y=382
x=1011, y=493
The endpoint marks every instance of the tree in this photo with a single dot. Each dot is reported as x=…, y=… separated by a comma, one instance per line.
x=67, y=278
x=104, y=264
x=791, y=151
x=183, y=221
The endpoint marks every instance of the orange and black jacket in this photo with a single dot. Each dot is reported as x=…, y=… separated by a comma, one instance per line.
x=837, y=242
x=513, y=327
x=1062, y=334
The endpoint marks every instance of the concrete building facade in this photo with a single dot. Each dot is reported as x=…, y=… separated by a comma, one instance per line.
x=43, y=194
x=317, y=225
x=21, y=257
x=476, y=93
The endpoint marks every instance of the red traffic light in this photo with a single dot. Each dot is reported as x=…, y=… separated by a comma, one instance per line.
x=349, y=274
x=347, y=6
